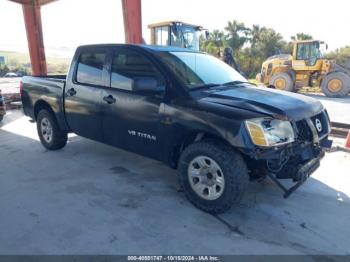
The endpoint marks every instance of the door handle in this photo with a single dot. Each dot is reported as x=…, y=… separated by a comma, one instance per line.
x=71, y=92
x=109, y=99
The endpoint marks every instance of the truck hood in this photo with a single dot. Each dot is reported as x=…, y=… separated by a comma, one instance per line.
x=266, y=101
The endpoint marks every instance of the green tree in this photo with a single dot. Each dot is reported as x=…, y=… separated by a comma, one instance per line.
x=250, y=60
x=341, y=55
x=264, y=42
x=237, y=35
x=217, y=37
x=255, y=34
x=214, y=42
x=270, y=43
x=301, y=36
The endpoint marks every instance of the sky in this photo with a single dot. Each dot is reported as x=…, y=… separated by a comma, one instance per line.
x=69, y=23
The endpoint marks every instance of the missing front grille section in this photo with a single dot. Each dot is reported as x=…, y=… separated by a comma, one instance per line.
x=303, y=131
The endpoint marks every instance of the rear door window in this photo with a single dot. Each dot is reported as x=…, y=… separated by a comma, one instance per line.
x=90, y=68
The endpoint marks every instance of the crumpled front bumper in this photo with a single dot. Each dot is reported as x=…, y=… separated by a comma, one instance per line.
x=303, y=173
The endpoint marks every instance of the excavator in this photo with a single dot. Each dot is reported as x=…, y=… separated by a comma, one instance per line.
x=306, y=67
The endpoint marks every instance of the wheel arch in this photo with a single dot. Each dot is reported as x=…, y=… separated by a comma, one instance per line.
x=190, y=138
x=41, y=104
x=280, y=69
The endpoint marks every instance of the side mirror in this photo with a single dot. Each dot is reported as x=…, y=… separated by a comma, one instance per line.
x=146, y=85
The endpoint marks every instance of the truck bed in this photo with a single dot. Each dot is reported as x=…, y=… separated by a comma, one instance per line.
x=48, y=89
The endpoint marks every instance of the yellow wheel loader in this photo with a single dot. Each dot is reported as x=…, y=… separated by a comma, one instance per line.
x=306, y=67
x=176, y=33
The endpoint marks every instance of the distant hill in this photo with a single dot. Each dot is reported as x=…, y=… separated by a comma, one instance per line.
x=16, y=61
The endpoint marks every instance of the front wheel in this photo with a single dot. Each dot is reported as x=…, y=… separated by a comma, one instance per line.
x=283, y=81
x=49, y=133
x=336, y=84
x=212, y=175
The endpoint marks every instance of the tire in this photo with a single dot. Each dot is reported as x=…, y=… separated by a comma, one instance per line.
x=336, y=84
x=51, y=137
x=1, y=118
x=232, y=175
x=282, y=81
x=292, y=75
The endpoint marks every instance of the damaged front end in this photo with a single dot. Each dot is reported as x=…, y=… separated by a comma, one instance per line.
x=296, y=160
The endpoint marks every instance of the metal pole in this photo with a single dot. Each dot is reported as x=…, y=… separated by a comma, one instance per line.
x=132, y=21
x=32, y=20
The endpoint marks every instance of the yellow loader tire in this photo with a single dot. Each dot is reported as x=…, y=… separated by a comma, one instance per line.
x=336, y=84
x=282, y=81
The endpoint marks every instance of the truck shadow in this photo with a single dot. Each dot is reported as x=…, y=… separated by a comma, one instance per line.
x=314, y=220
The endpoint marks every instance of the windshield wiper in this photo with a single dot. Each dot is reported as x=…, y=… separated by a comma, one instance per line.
x=235, y=82
x=209, y=85
x=204, y=86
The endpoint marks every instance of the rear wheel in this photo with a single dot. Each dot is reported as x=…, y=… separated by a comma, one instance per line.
x=212, y=175
x=49, y=133
x=336, y=84
x=282, y=81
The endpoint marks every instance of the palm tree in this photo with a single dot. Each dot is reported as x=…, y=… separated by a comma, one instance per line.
x=217, y=37
x=237, y=34
x=301, y=36
x=255, y=34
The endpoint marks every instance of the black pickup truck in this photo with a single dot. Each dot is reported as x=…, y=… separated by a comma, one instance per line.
x=186, y=109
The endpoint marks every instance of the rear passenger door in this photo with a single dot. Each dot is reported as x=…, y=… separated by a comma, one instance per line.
x=131, y=119
x=83, y=94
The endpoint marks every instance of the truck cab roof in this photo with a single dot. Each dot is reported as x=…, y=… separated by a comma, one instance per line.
x=156, y=48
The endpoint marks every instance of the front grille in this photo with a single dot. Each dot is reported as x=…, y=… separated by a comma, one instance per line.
x=319, y=122
x=303, y=131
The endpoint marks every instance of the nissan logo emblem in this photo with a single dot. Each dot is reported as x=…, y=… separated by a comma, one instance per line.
x=318, y=125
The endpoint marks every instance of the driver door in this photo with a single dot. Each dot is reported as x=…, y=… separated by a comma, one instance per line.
x=131, y=120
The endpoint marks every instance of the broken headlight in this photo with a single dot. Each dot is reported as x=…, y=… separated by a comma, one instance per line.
x=270, y=132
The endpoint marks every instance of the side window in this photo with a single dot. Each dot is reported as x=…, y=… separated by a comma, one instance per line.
x=162, y=35
x=90, y=68
x=128, y=65
x=303, y=52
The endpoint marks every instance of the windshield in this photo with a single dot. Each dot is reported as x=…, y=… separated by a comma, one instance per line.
x=185, y=36
x=197, y=69
x=310, y=52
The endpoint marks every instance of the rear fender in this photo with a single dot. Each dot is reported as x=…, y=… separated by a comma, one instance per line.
x=41, y=104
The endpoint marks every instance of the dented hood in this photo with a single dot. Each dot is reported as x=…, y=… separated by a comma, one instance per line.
x=266, y=101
